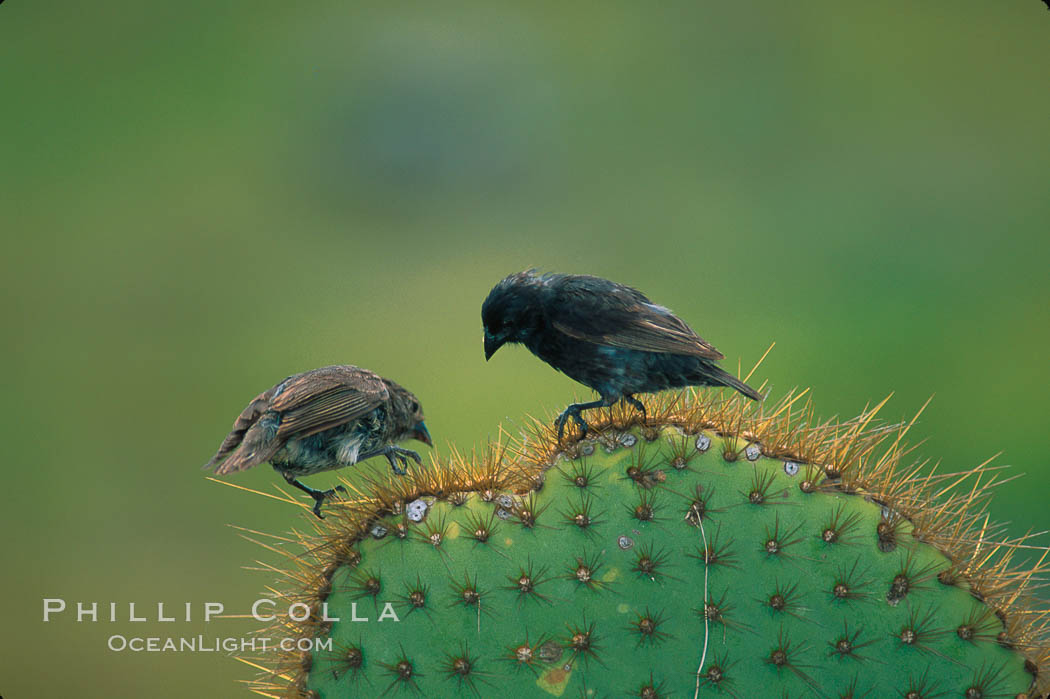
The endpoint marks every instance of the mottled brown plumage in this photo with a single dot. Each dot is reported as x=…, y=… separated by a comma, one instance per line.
x=321, y=420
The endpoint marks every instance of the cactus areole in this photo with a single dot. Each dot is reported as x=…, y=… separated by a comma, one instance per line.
x=715, y=548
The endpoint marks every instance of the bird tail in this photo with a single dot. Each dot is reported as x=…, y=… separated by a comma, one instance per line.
x=718, y=377
x=258, y=445
x=248, y=417
x=232, y=441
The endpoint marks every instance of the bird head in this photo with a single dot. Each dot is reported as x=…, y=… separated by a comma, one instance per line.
x=510, y=312
x=406, y=415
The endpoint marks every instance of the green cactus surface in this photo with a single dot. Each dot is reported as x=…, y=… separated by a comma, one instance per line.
x=655, y=563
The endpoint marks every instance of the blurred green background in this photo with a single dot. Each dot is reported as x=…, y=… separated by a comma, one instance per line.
x=198, y=199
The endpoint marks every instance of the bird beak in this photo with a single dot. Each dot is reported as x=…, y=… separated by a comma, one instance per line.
x=421, y=433
x=491, y=345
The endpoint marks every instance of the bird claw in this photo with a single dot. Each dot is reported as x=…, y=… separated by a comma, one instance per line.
x=639, y=406
x=559, y=423
x=320, y=496
x=564, y=417
x=396, y=454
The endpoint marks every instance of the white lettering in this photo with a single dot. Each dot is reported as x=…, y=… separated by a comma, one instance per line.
x=83, y=611
x=305, y=615
x=259, y=603
x=211, y=609
x=53, y=606
x=388, y=613
x=324, y=613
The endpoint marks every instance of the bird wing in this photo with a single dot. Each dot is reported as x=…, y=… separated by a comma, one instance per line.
x=318, y=400
x=607, y=313
x=306, y=403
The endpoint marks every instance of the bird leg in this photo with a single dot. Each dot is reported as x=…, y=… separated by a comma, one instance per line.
x=394, y=455
x=318, y=495
x=638, y=405
x=574, y=410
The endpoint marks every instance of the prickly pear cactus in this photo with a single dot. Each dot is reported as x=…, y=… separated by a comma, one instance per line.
x=666, y=559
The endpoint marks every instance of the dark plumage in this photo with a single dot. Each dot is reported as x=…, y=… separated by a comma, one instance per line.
x=322, y=420
x=605, y=335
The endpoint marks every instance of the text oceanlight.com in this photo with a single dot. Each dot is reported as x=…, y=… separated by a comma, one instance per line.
x=200, y=644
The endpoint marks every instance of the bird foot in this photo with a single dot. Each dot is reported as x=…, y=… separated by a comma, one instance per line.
x=638, y=405
x=572, y=411
x=320, y=496
x=397, y=455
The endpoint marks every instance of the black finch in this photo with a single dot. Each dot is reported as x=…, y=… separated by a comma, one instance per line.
x=605, y=335
x=321, y=420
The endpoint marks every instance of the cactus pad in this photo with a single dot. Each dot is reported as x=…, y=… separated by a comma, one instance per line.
x=668, y=558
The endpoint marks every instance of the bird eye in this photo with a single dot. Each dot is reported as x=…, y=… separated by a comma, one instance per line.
x=415, y=406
